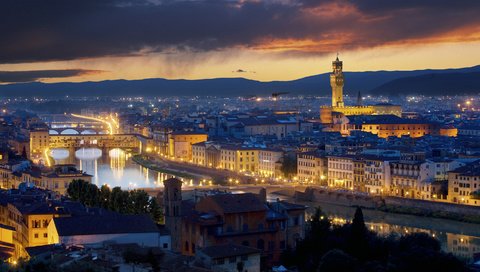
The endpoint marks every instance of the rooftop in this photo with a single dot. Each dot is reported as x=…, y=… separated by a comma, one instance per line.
x=104, y=224
x=228, y=250
x=238, y=203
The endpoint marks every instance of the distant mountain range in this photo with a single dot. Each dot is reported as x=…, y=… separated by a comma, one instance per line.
x=428, y=82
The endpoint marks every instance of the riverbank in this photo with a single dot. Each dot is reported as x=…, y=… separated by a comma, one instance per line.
x=395, y=205
x=417, y=211
x=141, y=160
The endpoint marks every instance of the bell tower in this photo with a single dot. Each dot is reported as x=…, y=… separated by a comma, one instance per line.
x=172, y=204
x=336, y=81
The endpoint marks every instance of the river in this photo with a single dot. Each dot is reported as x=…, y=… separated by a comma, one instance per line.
x=117, y=169
x=459, y=238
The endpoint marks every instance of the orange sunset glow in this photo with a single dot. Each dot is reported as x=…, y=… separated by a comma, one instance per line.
x=265, y=40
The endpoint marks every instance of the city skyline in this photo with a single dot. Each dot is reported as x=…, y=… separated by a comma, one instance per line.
x=261, y=40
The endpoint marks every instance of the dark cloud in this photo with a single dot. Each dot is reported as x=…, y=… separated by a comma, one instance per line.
x=47, y=30
x=29, y=76
x=241, y=71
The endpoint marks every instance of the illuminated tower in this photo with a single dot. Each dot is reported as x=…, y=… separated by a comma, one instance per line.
x=336, y=81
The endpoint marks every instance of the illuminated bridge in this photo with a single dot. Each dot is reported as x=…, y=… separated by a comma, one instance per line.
x=76, y=124
x=102, y=141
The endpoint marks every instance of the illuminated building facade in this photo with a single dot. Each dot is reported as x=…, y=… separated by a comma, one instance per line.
x=180, y=143
x=337, y=81
x=269, y=162
x=340, y=172
x=390, y=125
x=312, y=166
x=239, y=219
x=39, y=142
x=239, y=158
x=464, y=184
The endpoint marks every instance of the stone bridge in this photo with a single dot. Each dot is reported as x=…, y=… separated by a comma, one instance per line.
x=77, y=130
x=101, y=141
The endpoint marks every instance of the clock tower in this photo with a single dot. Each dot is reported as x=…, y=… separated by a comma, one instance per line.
x=336, y=81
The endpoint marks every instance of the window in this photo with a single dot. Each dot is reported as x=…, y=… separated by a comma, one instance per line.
x=165, y=245
x=260, y=244
x=271, y=245
x=45, y=235
x=35, y=235
x=36, y=224
x=244, y=257
x=283, y=245
x=221, y=261
x=232, y=259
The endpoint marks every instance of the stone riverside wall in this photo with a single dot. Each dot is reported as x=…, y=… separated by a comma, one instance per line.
x=338, y=198
x=352, y=199
x=432, y=206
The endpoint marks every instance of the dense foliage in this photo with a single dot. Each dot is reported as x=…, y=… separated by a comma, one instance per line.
x=352, y=247
x=289, y=165
x=116, y=199
x=476, y=194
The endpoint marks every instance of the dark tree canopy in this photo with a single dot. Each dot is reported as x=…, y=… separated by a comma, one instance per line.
x=352, y=247
x=118, y=200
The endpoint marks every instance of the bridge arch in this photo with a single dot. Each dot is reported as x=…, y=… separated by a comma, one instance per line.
x=77, y=131
x=89, y=131
x=69, y=131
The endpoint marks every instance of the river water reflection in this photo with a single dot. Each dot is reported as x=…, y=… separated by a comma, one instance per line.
x=114, y=168
x=117, y=169
x=461, y=239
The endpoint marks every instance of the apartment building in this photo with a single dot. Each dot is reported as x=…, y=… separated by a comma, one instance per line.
x=269, y=162
x=340, y=172
x=239, y=158
x=464, y=184
x=312, y=166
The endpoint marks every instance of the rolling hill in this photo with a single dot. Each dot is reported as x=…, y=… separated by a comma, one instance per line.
x=429, y=82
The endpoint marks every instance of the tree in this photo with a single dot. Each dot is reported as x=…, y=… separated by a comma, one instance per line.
x=352, y=247
x=289, y=166
x=76, y=189
x=358, y=238
x=155, y=210
x=139, y=202
x=91, y=196
x=336, y=260
x=104, y=196
x=83, y=192
x=358, y=223
x=119, y=201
